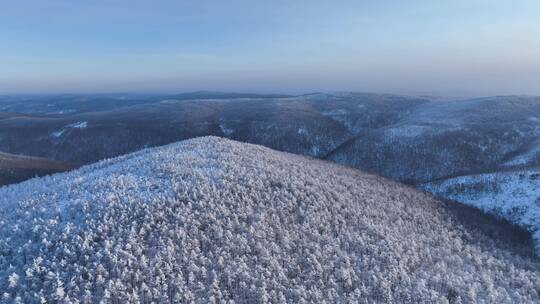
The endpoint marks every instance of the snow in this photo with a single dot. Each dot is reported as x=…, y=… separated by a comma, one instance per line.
x=407, y=131
x=169, y=101
x=335, y=112
x=439, y=113
x=13, y=279
x=512, y=195
x=227, y=131
x=213, y=220
x=58, y=133
x=529, y=156
x=342, y=116
x=78, y=125
x=65, y=111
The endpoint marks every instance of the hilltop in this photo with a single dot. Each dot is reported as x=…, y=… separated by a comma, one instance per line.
x=210, y=219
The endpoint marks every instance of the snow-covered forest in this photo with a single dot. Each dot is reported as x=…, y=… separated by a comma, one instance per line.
x=428, y=142
x=210, y=220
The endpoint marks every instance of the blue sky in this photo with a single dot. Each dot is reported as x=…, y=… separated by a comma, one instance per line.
x=458, y=48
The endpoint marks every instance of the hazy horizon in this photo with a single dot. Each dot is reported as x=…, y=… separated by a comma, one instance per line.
x=138, y=94
x=459, y=48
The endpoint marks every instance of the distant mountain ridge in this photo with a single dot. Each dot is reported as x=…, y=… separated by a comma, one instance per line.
x=73, y=103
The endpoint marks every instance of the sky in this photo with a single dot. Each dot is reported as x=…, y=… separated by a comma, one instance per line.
x=447, y=48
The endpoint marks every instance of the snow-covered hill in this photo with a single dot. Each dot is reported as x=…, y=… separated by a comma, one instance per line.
x=211, y=220
x=514, y=195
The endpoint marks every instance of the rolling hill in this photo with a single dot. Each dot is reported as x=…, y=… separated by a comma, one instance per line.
x=310, y=125
x=430, y=143
x=211, y=220
x=16, y=168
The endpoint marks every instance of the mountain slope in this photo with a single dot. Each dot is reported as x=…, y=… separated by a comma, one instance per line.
x=210, y=219
x=15, y=168
x=514, y=195
x=443, y=139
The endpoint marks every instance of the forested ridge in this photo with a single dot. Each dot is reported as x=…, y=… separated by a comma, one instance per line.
x=210, y=220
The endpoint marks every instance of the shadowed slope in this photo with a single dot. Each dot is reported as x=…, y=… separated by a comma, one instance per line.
x=16, y=168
